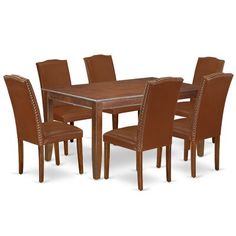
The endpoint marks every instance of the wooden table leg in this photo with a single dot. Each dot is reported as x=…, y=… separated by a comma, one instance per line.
x=48, y=147
x=96, y=140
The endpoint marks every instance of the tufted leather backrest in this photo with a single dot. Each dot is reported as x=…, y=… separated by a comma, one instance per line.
x=209, y=106
x=157, y=113
x=100, y=68
x=53, y=74
x=25, y=107
x=207, y=66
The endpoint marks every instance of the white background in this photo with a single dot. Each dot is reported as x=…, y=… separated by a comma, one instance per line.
x=145, y=38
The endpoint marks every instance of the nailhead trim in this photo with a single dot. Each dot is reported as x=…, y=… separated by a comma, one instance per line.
x=142, y=115
x=198, y=102
x=35, y=110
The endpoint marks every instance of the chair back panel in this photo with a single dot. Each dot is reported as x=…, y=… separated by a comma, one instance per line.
x=53, y=74
x=207, y=66
x=25, y=107
x=100, y=68
x=157, y=113
x=209, y=106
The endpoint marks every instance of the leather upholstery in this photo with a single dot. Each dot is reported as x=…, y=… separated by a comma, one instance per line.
x=55, y=74
x=204, y=66
x=27, y=115
x=209, y=107
x=124, y=137
x=182, y=128
x=207, y=66
x=156, y=118
x=57, y=131
x=185, y=109
x=67, y=113
x=157, y=113
x=30, y=127
x=208, y=110
x=100, y=68
x=25, y=107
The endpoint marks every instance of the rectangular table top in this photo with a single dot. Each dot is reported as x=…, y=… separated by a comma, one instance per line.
x=107, y=91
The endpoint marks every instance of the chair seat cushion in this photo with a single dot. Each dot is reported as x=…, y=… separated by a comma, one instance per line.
x=67, y=113
x=184, y=108
x=122, y=109
x=125, y=137
x=57, y=131
x=182, y=128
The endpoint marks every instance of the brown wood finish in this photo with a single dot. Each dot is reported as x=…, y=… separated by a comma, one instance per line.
x=115, y=121
x=186, y=148
x=107, y=160
x=48, y=147
x=41, y=164
x=168, y=163
x=57, y=157
x=193, y=159
x=139, y=159
x=217, y=152
x=71, y=123
x=101, y=96
x=66, y=151
x=80, y=155
x=200, y=148
x=21, y=156
x=97, y=139
x=159, y=155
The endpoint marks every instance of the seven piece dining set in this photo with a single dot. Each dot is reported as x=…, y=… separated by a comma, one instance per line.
x=156, y=100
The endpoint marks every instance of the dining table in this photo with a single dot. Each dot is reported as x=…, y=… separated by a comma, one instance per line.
x=101, y=96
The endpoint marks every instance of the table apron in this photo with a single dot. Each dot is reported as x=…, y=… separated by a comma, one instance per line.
x=71, y=100
x=117, y=103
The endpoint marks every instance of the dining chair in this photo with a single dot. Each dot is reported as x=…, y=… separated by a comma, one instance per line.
x=207, y=116
x=55, y=74
x=30, y=127
x=154, y=129
x=204, y=66
x=100, y=68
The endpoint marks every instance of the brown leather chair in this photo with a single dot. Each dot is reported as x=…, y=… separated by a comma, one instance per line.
x=155, y=125
x=100, y=68
x=207, y=116
x=30, y=127
x=55, y=74
x=205, y=66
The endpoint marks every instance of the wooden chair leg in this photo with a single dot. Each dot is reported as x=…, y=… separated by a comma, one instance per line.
x=57, y=155
x=139, y=159
x=168, y=163
x=193, y=159
x=80, y=155
x=41, y=164
x=159, y=155
x=21, y=155
x=217, y=152
x=186, y=148
x=66, y=148
x=200, y=148
x=72, y=123
x=115, y=121
x=106, y=159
